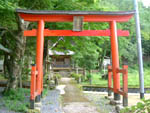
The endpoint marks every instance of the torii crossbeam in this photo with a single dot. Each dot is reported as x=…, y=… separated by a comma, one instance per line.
x=67, y=16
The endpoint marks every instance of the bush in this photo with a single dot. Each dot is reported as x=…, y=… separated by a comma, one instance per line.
x=52, y=84
x=76, y=76
x=46, y=78
x=89, y=76
x=147, y=64
x=58, y=76
x=45, y=92
x=73, y=75
x=141, y=107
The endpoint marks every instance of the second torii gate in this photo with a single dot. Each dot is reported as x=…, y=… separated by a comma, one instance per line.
x=67, y=16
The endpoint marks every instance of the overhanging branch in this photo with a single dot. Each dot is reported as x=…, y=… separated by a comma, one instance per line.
x=11, y=33
x=5, y=49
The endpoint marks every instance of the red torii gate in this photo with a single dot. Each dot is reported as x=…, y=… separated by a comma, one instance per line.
x=67, y=16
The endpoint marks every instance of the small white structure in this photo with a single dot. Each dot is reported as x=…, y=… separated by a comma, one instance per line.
x=1, y=66
x=105, y=63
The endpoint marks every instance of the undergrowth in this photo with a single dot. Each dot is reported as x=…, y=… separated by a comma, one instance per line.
x=140, y=107
x=16, y=100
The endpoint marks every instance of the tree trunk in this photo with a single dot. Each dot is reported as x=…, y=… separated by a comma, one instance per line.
x=48, y=57
x=101, y=59
x=77, y=69
x=90, y=77
x=45, y=56
x=14, y=61
x=84, y=74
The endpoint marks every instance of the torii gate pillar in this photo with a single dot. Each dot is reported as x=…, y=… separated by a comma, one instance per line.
x=39, y=58
x=115, y=59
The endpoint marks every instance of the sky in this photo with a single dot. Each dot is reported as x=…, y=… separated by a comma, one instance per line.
x=146, y=2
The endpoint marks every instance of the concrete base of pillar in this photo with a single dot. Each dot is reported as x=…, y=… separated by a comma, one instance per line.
x=109, y=93
x=38, y=98
x=116, y=96
x=32, y=104
x=36, y=104
x=141, y=95
x=125, y=101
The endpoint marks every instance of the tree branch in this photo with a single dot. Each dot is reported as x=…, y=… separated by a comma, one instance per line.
x=4, y=28
x=5, y=49
x=11, y=33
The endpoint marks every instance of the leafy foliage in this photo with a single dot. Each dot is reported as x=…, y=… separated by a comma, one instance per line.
x=57, y=76
x=16, y=100
x=92, y=46
x=141, y=107
x=76, y=76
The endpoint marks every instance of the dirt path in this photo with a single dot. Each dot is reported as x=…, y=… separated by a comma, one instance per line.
x=73, y=99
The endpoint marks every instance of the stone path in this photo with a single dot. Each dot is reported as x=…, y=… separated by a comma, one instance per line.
x=74, y=100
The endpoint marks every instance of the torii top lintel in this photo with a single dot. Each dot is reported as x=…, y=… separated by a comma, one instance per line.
x=67, y=16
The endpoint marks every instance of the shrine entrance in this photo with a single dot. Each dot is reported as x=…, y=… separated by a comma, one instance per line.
x=77, y=17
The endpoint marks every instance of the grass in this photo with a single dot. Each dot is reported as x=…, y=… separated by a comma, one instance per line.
x=133, y=78
x=16, y=100
x=45, y=92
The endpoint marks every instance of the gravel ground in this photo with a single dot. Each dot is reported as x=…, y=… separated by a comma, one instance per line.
x=52, y=102
x=101, y=103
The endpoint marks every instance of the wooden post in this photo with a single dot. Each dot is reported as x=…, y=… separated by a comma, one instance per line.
x=39, y=58
x=115, y=59
x=125, y=86
x=33, y=86
x=109, y=79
